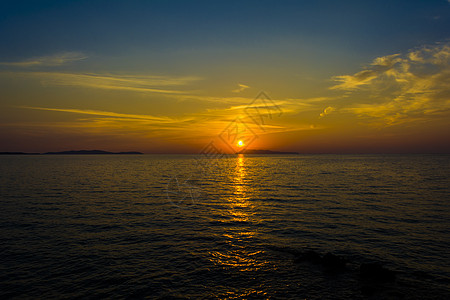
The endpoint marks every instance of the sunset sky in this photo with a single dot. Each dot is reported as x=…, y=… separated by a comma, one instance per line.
x=172, y=76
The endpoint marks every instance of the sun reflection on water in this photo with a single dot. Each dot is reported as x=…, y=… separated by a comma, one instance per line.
x=239, y=206
x=239, y=178
x=239, y=230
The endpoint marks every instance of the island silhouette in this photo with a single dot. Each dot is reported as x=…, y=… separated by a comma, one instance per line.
x=71, y=152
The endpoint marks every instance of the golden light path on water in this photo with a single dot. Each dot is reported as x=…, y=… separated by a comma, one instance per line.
x=241, y=253
x=239, y=206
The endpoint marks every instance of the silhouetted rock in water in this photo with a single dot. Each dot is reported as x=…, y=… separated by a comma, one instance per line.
x=422, y=275
x=333, y=262
x=379, y=282
x=329, y=261
x=309, y=256
x=376, y=272
x=284, y=249
x=374, y=280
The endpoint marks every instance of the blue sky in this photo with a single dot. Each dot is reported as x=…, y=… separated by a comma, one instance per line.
x=30, y=28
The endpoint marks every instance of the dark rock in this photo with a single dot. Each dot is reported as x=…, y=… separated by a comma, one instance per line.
x=309, y=256
x=329, y=261
x=397, y=295
x=422, y=275
x=285, y=249
x=333, y=262
x=368, y=290
x=376, y=272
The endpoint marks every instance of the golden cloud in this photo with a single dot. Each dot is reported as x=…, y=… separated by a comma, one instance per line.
x=402, y=88
x=136, y=83
x=326, y=111
x=240, y=88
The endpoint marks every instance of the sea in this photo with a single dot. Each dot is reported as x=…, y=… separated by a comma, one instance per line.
x=231, y=227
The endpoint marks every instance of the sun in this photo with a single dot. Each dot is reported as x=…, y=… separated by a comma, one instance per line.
x=240, y=143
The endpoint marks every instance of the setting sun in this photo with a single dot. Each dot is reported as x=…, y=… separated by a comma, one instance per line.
x=240, y=143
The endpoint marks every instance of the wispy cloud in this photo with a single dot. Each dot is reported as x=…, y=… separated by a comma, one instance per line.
x=379, y=66
x=104, y=114
x=240, y=88
x=52, y=60
x=137, y=83
x=398, y=88
x=270, y=106
x=205, y=124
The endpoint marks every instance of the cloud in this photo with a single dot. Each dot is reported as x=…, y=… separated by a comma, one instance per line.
x=136, y=83
x=404, y=88
x=272, y=105
x=104, y=114
x=53, y=60
x=326, y=111
x=240, y=88
x=190, y=128
x=379, y=66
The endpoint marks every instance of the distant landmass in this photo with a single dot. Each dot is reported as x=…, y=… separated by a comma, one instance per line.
x=255, y=151
x=70, y=152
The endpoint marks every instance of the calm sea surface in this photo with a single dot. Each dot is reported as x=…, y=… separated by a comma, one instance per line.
x=159, y=226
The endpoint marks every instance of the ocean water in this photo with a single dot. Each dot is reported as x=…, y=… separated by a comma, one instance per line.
x=161, y=227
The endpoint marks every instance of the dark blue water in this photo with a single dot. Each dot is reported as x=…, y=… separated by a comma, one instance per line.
x=159, y=226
